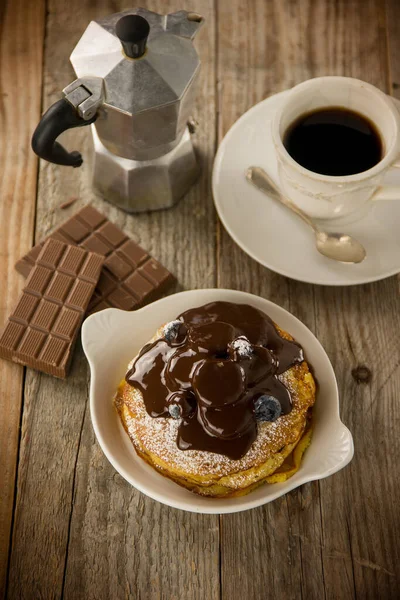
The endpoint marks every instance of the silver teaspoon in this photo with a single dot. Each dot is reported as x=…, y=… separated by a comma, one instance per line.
x=337, y=246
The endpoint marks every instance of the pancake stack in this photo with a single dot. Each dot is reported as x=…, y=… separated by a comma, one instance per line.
x=219, y=401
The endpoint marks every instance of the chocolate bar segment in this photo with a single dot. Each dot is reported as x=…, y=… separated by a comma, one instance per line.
x=43, y=328
x=130, y=277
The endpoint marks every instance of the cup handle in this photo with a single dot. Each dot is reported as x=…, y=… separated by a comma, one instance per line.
x=389, y=192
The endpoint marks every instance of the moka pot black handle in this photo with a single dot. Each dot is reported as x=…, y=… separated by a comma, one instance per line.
x=58, y=118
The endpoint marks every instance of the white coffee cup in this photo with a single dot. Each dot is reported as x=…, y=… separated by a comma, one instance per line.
x=325, y=196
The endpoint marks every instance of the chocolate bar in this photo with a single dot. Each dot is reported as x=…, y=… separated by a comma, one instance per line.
x=130, y=275
x=42, y=330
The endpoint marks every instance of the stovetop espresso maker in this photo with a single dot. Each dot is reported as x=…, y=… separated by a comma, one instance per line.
x=136, y=72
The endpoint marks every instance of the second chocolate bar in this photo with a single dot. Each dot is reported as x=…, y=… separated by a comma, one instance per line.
x=130, y=276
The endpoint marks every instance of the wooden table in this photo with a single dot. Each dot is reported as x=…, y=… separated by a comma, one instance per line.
x=70, y=526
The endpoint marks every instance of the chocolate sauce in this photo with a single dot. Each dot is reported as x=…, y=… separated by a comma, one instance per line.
x=213, y=363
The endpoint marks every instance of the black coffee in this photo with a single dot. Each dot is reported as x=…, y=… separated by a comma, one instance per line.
x=334, y=141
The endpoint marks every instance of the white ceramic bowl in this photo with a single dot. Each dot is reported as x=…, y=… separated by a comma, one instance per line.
x=111, y=338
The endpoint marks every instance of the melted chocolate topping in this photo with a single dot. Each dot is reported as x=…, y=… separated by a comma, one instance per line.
x=213, y=363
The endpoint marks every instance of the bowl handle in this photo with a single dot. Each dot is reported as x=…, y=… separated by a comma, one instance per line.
x=98, y=331
x=337, y=456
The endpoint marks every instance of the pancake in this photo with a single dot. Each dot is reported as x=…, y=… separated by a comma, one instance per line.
x=274, y=455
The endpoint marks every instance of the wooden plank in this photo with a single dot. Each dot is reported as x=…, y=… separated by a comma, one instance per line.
x=392, y=20
x=263, y=547
x=364, y=320
x=80, y=530
x=335, y=538
x=360, y=515
x=268, y=537
x=21, y=49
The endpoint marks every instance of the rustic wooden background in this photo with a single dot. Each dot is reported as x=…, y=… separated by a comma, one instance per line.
x=70, y=526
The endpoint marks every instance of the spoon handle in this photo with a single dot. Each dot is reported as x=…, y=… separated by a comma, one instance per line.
x=258, y=177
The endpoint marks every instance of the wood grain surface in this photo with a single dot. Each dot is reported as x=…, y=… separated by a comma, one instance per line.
x=79, y=530
x=338, y=538
x=21, y=50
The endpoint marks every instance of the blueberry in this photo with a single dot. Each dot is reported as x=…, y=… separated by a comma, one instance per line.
x=242, y=348
x=267, y=408
x=174, y=332
x=175, y=411
x=181, y=404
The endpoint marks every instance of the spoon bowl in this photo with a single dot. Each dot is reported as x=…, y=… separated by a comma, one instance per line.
x=340, y=247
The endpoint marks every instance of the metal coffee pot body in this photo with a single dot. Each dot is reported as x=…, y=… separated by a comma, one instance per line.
x=136, y=72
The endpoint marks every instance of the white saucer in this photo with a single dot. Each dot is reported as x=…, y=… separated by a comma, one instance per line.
x=276, y=238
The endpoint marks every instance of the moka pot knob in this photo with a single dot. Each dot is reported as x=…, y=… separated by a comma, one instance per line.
x=133, y=31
